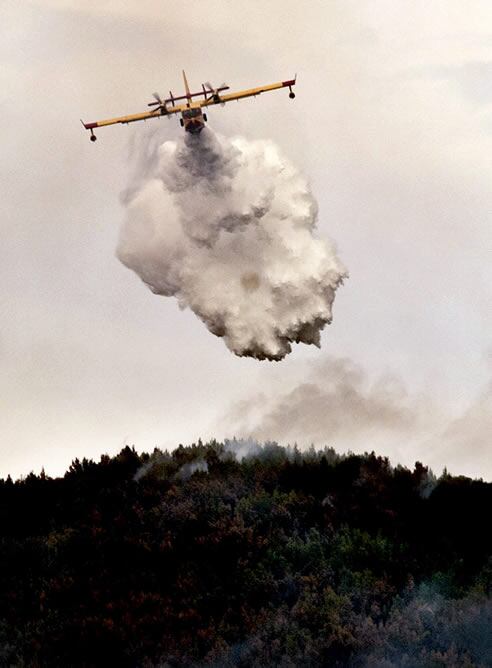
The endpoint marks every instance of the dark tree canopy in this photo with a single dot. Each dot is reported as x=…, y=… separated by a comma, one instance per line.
x=204, y=556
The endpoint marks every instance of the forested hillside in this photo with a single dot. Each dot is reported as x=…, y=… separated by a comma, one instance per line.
x=240, y=555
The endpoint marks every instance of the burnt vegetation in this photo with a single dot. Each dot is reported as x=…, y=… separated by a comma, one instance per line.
x=281, y=558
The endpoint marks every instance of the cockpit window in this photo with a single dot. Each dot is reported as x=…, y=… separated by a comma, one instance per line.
x=191, y=113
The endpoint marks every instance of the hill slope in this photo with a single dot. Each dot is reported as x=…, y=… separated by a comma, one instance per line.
x=276, y=558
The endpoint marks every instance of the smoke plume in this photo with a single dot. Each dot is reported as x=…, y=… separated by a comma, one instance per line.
x=336, y=402
x=226, y=226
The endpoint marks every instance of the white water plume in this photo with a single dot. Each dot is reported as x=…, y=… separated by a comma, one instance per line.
x=226, y=226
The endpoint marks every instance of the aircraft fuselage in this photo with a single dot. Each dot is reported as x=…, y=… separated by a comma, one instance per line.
x=193, y=119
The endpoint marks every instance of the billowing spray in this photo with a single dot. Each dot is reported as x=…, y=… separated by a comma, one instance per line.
x=226, y=226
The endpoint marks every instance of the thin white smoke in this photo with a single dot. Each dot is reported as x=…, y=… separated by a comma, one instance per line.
x=226, y=226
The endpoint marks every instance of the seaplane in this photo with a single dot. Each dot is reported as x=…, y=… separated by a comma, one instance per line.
x=193, y=118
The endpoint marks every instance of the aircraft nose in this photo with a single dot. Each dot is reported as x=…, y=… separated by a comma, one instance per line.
x=194, y=126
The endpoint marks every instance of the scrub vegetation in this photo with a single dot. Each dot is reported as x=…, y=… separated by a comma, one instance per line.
x=237, y=554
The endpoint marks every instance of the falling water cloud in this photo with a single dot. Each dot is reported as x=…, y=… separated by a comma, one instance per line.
x=227, y=227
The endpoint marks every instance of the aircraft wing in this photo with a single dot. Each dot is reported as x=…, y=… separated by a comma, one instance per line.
x=175, y=109
x=157, y=113
x=249, y=92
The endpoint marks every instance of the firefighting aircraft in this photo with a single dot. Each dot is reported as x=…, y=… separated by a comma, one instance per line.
x=192, y=118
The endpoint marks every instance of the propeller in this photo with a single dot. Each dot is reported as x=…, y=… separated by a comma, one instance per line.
x=215, y=91
x=159, y=103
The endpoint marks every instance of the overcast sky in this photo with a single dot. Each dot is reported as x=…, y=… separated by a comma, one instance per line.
x=392, y=126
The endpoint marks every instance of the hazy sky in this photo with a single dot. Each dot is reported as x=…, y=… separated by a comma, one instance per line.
x=392, y=125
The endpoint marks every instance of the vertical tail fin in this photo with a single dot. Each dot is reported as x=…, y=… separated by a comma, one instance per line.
x=187, y=88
